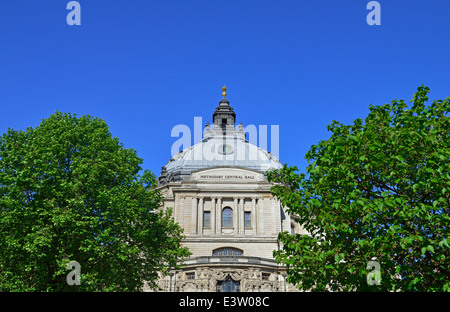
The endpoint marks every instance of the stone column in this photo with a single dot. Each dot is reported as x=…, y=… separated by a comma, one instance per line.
x=278, y=215
x=194, y=215
x=241, y=216
x=219, y=215
x=212, y=217
x=260, y=214
x=200, y=215
x=178, y=215
x=235, y=216
x=275, y=215
x=253, y=216
x=176, y=207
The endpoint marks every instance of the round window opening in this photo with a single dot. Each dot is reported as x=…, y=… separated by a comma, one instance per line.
x=225, y=149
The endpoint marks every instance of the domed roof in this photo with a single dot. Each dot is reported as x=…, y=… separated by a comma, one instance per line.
x=220, y=151
x=221, y=146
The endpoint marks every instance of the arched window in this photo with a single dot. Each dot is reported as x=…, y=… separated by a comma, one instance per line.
x=227, y=251
x=228, y=285
x=292, y=228
x=227, y=217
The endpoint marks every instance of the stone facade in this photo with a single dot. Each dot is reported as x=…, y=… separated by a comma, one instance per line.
x=207, y=279
x=230, y=218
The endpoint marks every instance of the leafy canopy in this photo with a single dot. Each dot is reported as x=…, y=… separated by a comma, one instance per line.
x=69, y=191
x=375, y=190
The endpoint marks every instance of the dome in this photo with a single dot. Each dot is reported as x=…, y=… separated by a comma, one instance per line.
x=219, y=151
x=221, y=146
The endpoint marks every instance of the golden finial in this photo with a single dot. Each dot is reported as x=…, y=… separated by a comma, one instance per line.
x=224, y=93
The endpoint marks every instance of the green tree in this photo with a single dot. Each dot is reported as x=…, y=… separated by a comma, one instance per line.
x=377, y=190
x=69, y=191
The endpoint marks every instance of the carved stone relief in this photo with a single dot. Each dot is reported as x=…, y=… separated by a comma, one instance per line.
x=206, y=279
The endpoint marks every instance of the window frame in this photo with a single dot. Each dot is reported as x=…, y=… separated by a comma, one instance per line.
x=208, y=223
x=247, y=222
x=227, y=224
x=265, y=276
x=227, y=252
x=190, y=275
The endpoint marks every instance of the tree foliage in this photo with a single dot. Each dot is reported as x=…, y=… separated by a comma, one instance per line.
x=69, y=191
x=375, y=190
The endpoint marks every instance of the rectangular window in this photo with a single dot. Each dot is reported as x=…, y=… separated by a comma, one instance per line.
x=190, y=275
x=206, y=219
x=247, y=220
x=265, y=276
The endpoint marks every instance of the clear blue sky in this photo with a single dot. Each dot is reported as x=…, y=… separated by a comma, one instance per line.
x=146, y=66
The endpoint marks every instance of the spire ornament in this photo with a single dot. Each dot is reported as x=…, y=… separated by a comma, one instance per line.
x=224, y=114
